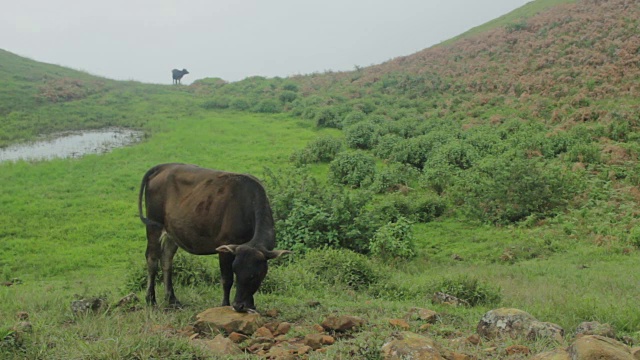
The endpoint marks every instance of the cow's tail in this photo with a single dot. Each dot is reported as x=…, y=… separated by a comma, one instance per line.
x=143, y=186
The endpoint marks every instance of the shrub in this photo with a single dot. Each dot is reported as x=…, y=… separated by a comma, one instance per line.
x=327, y=117
x=310, y=215
x=322, y=149
x=352, y=118
x=268, y=106
x=342, y=267
x=393, y=241
x=287, y=96
x=393, y=177
x=216, y=103
x=506, y=190
x=362, y=135
x=386, y=144
x=355, y=169
x=470, y=290
x=239, y=104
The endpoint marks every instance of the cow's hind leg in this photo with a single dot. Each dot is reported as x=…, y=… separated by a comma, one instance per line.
x=152, y=255
x=226, y=274
x=169, y=249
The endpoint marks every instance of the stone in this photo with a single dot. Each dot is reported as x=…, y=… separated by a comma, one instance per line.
x=263, y=332
x=128, y=301
x=442, y=298
x=316, y=341
x=85, y=306
x=545, y=330
x=409, y=345
x=517, y=350
x=318, y=328
x=272, y=313
x=399, y=323
x=221, y=346
x=557, y=354
x=636, y=353
x=228, y=320
x=287, y=351
x=283, y=328
x=22, y=315
x=342, y=323
x=595, y=347
x=595, y=328
x=474, y=339
x=427, y=315
x=237, y=337
x=504, y=322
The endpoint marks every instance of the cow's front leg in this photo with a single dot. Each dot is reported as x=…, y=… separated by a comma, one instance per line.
x=169, y=249
x=226, y=274
x=153, y=255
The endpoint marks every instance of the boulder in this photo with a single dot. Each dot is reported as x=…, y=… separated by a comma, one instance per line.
x=595, y=328
x=409, y=345
x=399, y=323
x=220, y=346
x=504, y=322
x=228, y=320
x=427, y=315
x=517, y=350
x=595, y=347
x=442, y=298
x=85, y=306
x=316, y=341
x=557, y=354
x=342, y=323
x=636, y=353
x=545, y=330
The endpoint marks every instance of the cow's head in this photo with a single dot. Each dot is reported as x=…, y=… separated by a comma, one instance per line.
x=250, y=268
x=184, y=72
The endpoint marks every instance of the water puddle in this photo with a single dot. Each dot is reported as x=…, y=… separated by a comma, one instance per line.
x=72, y=144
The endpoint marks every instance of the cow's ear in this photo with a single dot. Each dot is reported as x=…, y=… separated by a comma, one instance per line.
x=275, y=253
x=230, y=249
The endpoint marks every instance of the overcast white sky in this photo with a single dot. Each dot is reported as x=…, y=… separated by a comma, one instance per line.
x=232, y=39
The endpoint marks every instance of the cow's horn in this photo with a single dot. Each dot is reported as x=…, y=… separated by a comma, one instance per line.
x=276, y=253
x=227, y=249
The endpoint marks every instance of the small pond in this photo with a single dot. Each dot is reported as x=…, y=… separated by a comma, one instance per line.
x=71, y=144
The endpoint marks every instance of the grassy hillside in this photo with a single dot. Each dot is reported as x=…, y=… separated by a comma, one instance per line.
x=501, y=167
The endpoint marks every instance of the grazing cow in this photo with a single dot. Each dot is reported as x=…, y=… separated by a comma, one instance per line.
x=178, y=74
x=206, y=212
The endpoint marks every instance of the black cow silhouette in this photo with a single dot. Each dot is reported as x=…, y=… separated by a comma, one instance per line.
x=178, y=74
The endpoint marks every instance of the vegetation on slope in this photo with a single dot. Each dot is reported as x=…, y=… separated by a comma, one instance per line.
x=502, y=165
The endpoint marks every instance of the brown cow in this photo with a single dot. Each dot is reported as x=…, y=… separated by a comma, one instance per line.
x=206, y=212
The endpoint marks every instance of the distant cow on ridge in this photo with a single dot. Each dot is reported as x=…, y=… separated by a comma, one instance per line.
x=178, y=74
x=207, y=212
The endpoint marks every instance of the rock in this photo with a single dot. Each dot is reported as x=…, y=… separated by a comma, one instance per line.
x=595, y=347
x=425, y=327
x=411, y=346
x=84, y=306
x=474, y=339
x=557, y=354
x=315, y=341
x=318, y=328
x=504, y=322
x=342, y=323
x=595, y=328
x=128, y=301
x=399, y=323
x=272, y=313
x=545, y=330
x=263, y=332
x=228, y=320
x=517, y=350
x=287, y=351
x=442, y=298
x=22, y=315
x=283, y=328
x=427, y=315
x=636, y=353
x=221, y=346
x=456, y=257
x=237, y=337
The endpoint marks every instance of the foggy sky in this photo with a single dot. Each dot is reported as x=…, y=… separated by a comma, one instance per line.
x=232, y=39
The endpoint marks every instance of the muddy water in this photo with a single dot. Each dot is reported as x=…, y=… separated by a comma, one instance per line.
x=71, y=144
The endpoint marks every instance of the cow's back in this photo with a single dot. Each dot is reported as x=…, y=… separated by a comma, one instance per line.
x=202, y=209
